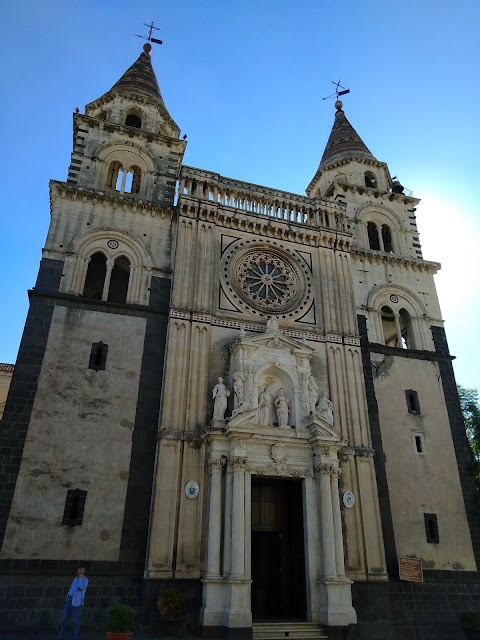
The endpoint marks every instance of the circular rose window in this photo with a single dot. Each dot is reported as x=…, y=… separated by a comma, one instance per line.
x=266, y=278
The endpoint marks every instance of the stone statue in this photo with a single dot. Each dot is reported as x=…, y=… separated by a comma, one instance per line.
x=312, y=393
x=304, y=394
x=272, y=324
x=282, y=405
x=264, y=404
x=238, y=387
x=324, y=408
x=220, y=395
x=240, y=408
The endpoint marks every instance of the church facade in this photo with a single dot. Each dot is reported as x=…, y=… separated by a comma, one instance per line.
x=237, y=391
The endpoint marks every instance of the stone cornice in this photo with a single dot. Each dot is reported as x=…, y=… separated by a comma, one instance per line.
x=380, y=257
x=373, y=191
x=79, y=119
x=108, y=97
x=261, y=225
x=344, y=161
x=113, y=199
x=313, y=336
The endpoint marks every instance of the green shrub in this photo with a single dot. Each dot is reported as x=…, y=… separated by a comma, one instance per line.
x=121, y=618
x=171, y=602
x=470, y=619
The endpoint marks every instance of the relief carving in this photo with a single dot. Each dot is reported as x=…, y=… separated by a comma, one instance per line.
x=278, y=453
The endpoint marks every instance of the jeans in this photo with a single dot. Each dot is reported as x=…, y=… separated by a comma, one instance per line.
x=74, y=613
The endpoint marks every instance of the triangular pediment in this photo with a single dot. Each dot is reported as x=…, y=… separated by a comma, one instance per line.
x=275, y=340
x=321, y=429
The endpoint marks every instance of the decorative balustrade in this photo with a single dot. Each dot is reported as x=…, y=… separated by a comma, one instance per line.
x=254, y=199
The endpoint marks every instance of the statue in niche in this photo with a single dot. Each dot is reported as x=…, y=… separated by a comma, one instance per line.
x=282, y=405
x=304, y=394
x=312, y=393
x=220, y=395
x=324, y=408
x=238, y=387
x=272, y=324
x=264, y=404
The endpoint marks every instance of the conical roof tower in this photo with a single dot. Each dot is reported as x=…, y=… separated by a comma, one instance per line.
x=137, y=85
x=344, y=147
x=343, y=141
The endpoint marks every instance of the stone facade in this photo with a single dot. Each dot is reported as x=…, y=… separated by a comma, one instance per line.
x=234, y=390
x=6, y=372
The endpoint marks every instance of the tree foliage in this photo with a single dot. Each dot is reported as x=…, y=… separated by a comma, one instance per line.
x=470, y=405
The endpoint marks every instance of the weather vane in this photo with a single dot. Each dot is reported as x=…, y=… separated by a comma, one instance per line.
x=149, y=37
x=337, y=92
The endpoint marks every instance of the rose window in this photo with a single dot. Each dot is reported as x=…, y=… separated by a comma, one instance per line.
x=267, y=279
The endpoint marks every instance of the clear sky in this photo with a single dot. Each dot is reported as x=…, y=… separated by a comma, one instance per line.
x=245, y=80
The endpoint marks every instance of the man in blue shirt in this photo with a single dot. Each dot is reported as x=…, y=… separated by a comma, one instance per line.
x=74, y=603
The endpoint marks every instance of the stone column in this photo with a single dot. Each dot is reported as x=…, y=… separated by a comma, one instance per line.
x=214, y=518
x=238, y=517
x=106, y=284
x=337, y=523
x=399, y=331
x=326, y=513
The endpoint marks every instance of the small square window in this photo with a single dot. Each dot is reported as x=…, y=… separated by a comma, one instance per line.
x=431, y=527
x=74, y=507
x=413, y=405
x=98, y=356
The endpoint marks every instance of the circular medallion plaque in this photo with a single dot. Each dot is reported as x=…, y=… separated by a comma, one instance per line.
x=112, y=244
x=192, y=489
x=348, y=499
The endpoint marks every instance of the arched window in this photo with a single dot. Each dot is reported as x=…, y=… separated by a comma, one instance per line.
x=124, y=181
x=134, y=119
x=373, y=239
x=405, y=329
x=370, y=179
x=112, y=176
x=387, y=239
x=117, y=291
x=389, y=327
x=95, y=279
x=136, y=178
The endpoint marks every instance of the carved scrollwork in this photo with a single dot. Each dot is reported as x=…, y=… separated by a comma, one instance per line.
x=322, y=469
x=215, y=463
x=279, y=470
x=239, y=463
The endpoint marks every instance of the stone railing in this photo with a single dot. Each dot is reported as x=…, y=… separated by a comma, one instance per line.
x=255, y=199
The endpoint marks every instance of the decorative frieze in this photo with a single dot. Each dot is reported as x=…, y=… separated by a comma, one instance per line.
x=279, y=470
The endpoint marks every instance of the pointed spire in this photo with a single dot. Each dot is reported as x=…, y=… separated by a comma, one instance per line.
x=140, y=78
x=344, y=141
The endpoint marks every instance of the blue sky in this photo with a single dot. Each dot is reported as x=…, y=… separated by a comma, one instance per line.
x=245, y=80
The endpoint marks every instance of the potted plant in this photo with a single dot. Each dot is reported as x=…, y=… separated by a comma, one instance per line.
x=120, y=622
x=171, y=602
x=470, y=621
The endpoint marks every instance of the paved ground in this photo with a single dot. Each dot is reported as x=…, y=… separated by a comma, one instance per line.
x=96, y=635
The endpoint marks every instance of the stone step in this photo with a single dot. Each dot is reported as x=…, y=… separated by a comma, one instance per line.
x=288, y=630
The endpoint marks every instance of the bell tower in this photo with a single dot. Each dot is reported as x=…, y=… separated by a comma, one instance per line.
x=93, y=348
